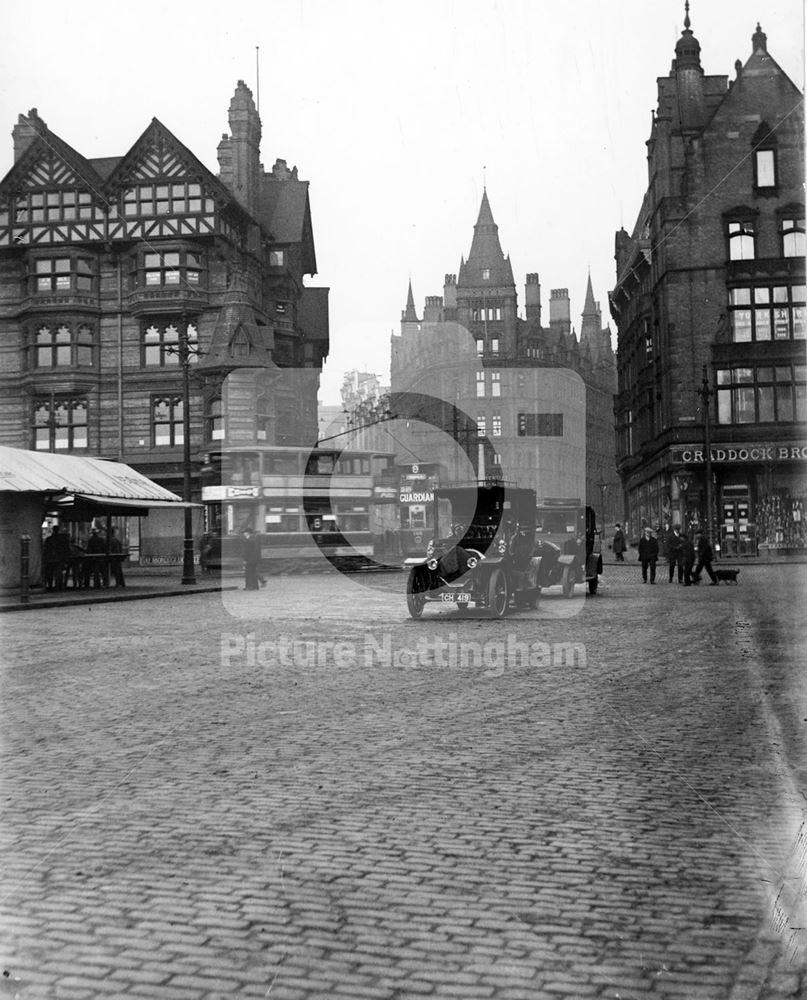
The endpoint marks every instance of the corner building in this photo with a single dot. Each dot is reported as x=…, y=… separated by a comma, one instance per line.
x=709, y=305
x=539, y=400
x=117, y=272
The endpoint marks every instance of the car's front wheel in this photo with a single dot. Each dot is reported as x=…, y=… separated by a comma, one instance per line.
x=416, y=587
x=498, y=594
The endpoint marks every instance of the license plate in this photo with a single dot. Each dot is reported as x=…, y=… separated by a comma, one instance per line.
x=460, y=598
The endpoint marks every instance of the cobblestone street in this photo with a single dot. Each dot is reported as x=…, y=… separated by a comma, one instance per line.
x=300, y=793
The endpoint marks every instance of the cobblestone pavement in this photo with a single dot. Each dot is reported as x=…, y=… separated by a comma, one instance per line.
x=204, y=797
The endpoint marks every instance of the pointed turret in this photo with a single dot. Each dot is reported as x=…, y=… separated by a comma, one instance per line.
x=486, y=265
x=409, y=315
x=689, y=77
x=591, y=325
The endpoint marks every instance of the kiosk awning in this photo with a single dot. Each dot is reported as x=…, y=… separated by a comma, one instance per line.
x=93, y=481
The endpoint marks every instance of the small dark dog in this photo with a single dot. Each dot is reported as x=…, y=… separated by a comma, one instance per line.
x=727, y=575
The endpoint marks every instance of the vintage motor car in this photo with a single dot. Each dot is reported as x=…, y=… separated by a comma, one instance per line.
x=568, y=544
x=482, y=555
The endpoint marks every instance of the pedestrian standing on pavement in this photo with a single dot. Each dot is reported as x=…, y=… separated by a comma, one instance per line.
x=618, y=543
x=116, y=557
x=56, y=555
x=648, y=555
x=675, y=554
x=688, y=557
x=251, y=554
x=704, y=559
x=96, y=550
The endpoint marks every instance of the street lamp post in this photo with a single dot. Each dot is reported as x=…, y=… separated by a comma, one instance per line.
x=603, y=490
x=188, y=576
x=682, y=480
x=705, y=392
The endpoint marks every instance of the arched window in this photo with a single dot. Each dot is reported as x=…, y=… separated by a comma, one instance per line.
x=741, y=240
x=60, y=345
x=793, y=242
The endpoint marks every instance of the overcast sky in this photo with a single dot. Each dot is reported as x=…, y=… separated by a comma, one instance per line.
x=397, y=113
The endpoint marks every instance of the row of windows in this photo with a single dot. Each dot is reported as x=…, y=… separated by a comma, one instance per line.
x=68, y=345
x=167, y=268
x=528, y=425
x=493, y=346
x=145, y=199
x=166, y=199
x=61, y=424
x=773, y=312
x=742, y=238
x=762, y=394
x=486, y=313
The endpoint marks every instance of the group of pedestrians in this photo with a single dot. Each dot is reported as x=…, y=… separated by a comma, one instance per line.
x=87, y=565
x=686, y=559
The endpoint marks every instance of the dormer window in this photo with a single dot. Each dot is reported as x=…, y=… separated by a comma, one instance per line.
x=277, y=258
x=486, y=274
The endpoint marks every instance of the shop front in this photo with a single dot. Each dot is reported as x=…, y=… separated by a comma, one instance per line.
x=759, y=492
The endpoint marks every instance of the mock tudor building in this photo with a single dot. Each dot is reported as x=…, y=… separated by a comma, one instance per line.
x=709, y=305
x=535, y=401
x=120, y=274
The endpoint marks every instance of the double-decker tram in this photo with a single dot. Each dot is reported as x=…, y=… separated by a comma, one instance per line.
x=303, y=503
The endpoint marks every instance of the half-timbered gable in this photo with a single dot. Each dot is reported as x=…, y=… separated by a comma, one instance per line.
x=120, y=275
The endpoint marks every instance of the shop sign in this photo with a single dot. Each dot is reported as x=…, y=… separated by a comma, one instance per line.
x=241, y=492
x=385, y=494
x=219, y=493
x=743, y=453
x=407, y=497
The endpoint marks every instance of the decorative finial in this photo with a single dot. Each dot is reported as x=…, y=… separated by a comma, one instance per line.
x=484, y=179
x=686, y=14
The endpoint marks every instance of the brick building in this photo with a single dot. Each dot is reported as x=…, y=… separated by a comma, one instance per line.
x=114, y=270
x=709, y=305
x=538, y=398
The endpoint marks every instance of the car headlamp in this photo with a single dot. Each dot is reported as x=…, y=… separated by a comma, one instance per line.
x=432, y=564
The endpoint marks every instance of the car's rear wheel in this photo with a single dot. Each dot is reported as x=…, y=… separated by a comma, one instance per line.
x=416, y=587
x=498, y=594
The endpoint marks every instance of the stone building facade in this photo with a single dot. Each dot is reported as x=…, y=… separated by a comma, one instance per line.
x=709, y=305
x=119, y=274
x=534, y=401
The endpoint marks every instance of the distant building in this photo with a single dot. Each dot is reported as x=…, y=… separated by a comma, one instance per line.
x=111, y=268
x=534, y=403
x=709, y=305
